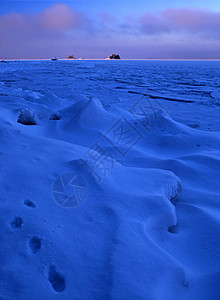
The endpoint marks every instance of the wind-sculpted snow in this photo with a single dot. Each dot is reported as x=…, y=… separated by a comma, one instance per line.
x=114, y=192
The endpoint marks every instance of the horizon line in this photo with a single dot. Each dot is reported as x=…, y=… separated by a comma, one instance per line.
x=78, y=59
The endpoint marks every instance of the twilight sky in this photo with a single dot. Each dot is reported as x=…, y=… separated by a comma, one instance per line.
x=97, y=28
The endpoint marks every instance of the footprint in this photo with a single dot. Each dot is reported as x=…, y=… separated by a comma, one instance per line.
x=186, y=284
x=17, y=222
x=173, y=229
x=35, y=244
x=29, y=203
x=56, y=279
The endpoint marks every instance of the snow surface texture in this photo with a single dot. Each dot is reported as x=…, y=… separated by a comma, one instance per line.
x=115, y=192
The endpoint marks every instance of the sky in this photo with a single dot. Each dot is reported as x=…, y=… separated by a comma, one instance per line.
x=96, y=28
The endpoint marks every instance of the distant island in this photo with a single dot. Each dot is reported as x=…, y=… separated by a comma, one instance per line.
x=70, y=57
x=114, y=56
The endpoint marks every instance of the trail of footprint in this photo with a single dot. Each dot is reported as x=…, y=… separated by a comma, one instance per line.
x=56, y=279
x=35, y=244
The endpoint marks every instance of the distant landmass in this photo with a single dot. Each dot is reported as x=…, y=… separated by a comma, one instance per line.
x=114, y=56
x=70, y=57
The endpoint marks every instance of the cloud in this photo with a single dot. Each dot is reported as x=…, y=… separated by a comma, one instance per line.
x=43, y=34
x=60, y=17
x=13, y=20
x=60, y=31
x=182, y=20
x=107, y=18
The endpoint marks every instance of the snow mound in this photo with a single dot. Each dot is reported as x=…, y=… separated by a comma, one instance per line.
x=87, y=113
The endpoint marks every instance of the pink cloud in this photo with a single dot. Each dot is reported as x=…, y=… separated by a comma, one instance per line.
x=178, y=20
x=9, y=20
x=154, y=24
x=40, y=35
x=60, y=17
x=193, y=19
x=60, y=31
x=106, y=18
